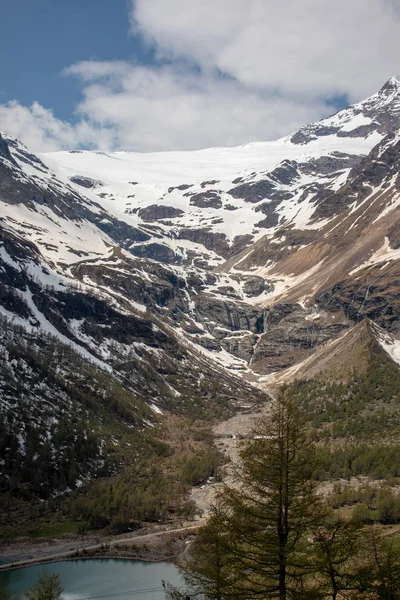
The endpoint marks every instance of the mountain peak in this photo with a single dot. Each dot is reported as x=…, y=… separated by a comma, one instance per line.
x=392, y=86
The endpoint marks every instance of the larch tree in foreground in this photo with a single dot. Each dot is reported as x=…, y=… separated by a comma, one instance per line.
x=258, y=529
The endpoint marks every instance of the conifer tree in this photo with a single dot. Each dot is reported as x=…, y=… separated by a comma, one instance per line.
x=47, y=587
x=260, y=524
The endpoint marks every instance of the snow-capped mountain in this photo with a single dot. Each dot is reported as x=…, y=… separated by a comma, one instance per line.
x=175, y=281
x=238, y=253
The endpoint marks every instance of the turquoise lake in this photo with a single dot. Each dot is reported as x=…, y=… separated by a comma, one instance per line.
x=111, y=579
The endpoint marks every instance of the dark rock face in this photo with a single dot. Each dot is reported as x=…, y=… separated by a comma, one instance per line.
x=253, y=192
x=253, y=286
x=362, y=131
x=211, y=182
x=286, y=173
x=212, y=241
x=369, y=172
x=269, y=221
x=303, y=136
x=156, y=251
x=27, y=157
x=287, y=343
x=210, y=199
x=240, y=242
x=5, y=150
x=374, y=294
x=394, y=235
x=122, y=232
x=214, y=313
x=269, y=210
x=182, y=187
x=162, y=288
x=156, y=212
x=330, y=164
x=85, y=182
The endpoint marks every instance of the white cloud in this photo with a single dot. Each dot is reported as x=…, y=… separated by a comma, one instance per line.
x=312, y=47
x=173, y=107
x=40, y=130
x=126, y=106
x=228, y=72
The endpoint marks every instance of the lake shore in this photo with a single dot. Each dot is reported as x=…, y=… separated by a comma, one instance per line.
x=157, y=543
x=150, y=543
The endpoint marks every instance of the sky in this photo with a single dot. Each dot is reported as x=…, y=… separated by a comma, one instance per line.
x=151, y=75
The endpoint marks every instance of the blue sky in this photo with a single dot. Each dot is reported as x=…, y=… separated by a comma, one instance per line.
x=45, y=36
x=151, y=75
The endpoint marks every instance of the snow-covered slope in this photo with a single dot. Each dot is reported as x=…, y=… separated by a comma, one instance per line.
x=208, y=243
x=217, y=190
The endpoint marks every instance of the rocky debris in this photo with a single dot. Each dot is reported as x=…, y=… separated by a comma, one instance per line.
x=85, y=182
x=156, y=212
x=209, y=199
x=253, y=192
x=230, y=207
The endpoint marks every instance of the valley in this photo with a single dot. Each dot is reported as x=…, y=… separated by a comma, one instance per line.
x=148, y=300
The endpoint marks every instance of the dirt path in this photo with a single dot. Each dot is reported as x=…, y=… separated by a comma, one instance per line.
x=229, y=435
x=81, y=550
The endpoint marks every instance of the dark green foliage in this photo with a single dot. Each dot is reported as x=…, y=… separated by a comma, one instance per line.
x=366, y=406
x=377, y=575
x=378, y=461
x=198, y=469
x=334, y=546
x=388, y=506
x=141, y=493
x=46, y=588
